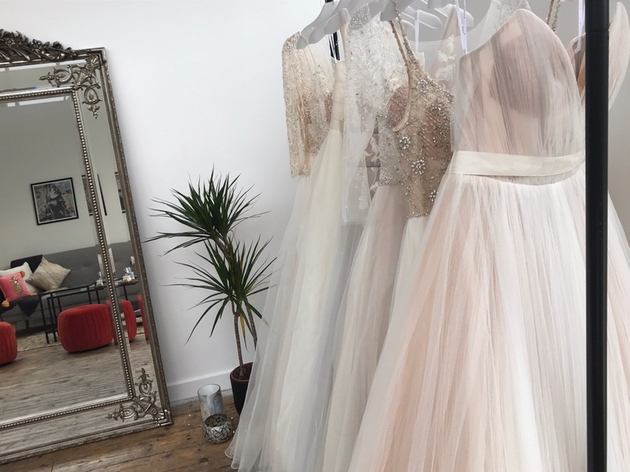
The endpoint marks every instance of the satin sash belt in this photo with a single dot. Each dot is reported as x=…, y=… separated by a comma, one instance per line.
x=512, y=165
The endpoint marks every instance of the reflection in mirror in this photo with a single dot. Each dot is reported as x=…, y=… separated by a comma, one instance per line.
x=49, y=217
x=72, y=279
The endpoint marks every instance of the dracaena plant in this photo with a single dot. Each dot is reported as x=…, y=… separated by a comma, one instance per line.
x=229, y=271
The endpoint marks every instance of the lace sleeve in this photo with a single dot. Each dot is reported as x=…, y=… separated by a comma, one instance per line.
x=373, y=66
x=307, y=79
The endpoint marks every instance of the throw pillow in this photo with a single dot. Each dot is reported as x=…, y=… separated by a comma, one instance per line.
x=26, y=268
x=13, y=287
x=48, y=275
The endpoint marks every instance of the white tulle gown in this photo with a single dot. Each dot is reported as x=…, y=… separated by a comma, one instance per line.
x=281, y=426
x=486, y=371
x=364, y=313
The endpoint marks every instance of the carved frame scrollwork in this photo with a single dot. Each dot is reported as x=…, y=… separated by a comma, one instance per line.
x=80, y=77
x=15, y=48
x=142, y=405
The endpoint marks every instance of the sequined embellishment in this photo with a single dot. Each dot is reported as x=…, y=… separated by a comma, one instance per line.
x=424, y=138
x=433, y=195
x=417, y=167
x=17, y=288
x=307, y=76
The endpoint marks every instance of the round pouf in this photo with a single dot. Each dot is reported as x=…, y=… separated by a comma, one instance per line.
x=8, y=343
x=85, y=327
x=130, y=319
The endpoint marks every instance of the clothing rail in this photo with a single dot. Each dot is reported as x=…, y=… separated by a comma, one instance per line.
x=597, y=25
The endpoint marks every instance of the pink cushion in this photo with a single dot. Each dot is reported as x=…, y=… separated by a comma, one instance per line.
x=13, y=286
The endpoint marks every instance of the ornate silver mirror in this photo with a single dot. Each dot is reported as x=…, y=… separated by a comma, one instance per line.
x=87, y=365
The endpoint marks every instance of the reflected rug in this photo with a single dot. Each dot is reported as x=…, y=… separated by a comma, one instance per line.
x=37, y=340
x=34, y=341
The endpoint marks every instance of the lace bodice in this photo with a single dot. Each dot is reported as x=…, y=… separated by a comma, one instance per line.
x=374, y=69
x=308, y=82
x=423, y=132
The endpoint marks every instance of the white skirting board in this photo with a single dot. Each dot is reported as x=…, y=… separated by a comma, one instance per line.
x=182, y=391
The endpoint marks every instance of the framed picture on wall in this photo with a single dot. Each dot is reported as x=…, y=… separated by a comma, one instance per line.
x=54, y=201
x=120, y=193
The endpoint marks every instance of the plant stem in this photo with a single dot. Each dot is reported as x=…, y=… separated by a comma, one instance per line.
x=252, y=325
x=238, y=344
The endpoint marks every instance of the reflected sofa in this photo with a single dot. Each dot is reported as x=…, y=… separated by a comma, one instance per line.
x=84, y=268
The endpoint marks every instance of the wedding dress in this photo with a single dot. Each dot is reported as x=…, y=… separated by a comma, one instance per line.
x=308, y=78
x=486, y=372
x=449, y=50
x=414, y=151
x=374, y=69
x=281, y=426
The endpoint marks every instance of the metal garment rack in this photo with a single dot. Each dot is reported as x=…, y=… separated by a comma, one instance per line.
x=597, y=25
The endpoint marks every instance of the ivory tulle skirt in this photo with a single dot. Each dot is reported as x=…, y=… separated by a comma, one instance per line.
x=282, y=425
x=365, y=313
x=484, y=368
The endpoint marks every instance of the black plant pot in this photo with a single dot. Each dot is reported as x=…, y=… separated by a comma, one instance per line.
x=239, y=386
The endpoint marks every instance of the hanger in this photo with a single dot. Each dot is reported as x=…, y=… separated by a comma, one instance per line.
x=463, y=26
x=341, y=16
x=324, y=15
x=442, y=10
x=393, y=7
x=421, y=17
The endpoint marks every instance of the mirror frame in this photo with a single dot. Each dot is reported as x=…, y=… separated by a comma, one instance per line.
x=84, y=76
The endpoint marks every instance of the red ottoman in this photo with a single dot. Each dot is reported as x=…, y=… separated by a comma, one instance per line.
x=130, y=320
x=144, y=321
x=8, y=343
x=85, y=327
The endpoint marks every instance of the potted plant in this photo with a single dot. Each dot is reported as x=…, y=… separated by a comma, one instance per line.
x=230, y=271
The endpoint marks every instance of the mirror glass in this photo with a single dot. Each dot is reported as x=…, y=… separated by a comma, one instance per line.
x=87, y=364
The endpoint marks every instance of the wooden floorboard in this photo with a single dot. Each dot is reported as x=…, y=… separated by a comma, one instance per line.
x=180, y=447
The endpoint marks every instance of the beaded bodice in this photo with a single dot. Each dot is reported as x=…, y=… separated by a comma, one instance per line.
x=423, y=133
x=308, y=82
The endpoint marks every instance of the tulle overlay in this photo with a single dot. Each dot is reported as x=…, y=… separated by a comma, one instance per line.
x=490, y=368
x=484, y=365
x=282, y=424
x=365, y=313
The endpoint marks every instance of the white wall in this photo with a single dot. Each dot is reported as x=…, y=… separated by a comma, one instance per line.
x=31, y=152
x=198, y=84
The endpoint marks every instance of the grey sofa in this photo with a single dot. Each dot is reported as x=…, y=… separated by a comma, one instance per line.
x=84, y=268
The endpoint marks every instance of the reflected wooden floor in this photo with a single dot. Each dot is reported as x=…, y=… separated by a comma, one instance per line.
x=180, y=447
x=48, y=378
